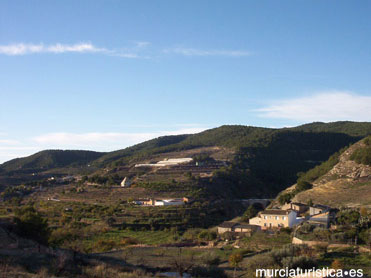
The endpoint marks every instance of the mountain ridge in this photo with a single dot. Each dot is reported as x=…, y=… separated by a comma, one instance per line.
x=262, y=161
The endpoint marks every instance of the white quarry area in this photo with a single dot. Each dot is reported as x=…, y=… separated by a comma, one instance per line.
x=166, y=162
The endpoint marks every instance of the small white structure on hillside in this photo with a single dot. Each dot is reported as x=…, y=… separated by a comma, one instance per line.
x=126, y=182
x=167, y=162
x=169, y=202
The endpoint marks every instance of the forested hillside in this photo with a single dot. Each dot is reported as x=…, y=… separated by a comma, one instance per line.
x=264, y=160
x=51, y=159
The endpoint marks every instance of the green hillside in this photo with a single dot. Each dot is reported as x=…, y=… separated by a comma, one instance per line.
x=264, y=160
x=49, y=159
x=238, y=136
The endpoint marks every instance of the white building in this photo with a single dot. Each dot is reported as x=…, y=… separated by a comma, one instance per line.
x=126, y=182
x=169, y=202
x=166, y=162
x=275, y=218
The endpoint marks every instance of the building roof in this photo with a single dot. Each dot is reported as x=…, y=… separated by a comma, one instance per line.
x=228, y=224
x=299, y=204
x=320, y=206
x=275, y=212
x=246, y=226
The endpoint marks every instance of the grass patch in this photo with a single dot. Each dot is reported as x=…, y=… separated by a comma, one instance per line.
x=116, y=238
x=261, y=240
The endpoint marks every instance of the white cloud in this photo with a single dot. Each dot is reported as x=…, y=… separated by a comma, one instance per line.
x=19, y=49
x=97, y=141
x=136, y=51
x=142, y=44
x=8, y=142
x=104, y=141
x=23, y=49
x=200, y=52
x=323, y=106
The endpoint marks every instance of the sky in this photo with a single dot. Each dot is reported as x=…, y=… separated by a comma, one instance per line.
x=104, y=75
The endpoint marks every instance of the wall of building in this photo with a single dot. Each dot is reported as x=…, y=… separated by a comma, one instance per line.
x=222, y=230
x=292, y=219
x=274, y=221
x=255, y=221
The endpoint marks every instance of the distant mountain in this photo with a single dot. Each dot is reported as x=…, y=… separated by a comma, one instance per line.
x=343, y=180
x=262, y=161
x=50, y=159
x=238, y=136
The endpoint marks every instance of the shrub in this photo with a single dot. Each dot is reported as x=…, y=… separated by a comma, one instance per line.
x=129, y=241
x=347, y=217
x=337, y=264
x=30, y=224
x=251, y=212
x=191, y=234
x=302, y=262
x=208, y=272
x=104, y=245
x=211, y=259
x=286, y=230
x=285, y=198
x=362, y=155
x=302, y=186
x=207, y=235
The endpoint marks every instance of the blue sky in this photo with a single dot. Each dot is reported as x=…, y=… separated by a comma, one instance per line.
x=103, y=75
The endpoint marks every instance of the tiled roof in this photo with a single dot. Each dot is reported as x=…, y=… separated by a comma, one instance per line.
x=299, y=204
x=246, y=226
x=275, y=212
x=227, y=224
x=320, y=206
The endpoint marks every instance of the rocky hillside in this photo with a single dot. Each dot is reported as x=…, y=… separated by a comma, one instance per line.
x=348, y=183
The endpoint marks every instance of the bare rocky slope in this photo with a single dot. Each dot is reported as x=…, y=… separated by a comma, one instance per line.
x=348, y=183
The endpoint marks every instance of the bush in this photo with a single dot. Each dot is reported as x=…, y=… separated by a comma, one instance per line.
x=347, y=217
x=129, y=241
x=207, y=235
x=104, y=245
x=362, y=155
x=286, y=230
x=208, y=272
x=191, y=234
x=285, y=198
x=211, y=259
x=302, y=186
x=30, y=224
x=251, y=211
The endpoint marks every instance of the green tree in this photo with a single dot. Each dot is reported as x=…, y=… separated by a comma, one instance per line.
x=30, y=224
x=285, y=198
x=302, y=186
x=251, y=212
x=234, y=260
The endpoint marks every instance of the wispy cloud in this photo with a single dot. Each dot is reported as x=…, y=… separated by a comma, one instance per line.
x=23, y=48
x=19, y=49
x=8, y=142
x=323, y=106
x=142, y=44
x=138, y=49
x=211, y=52
x=97, y=140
